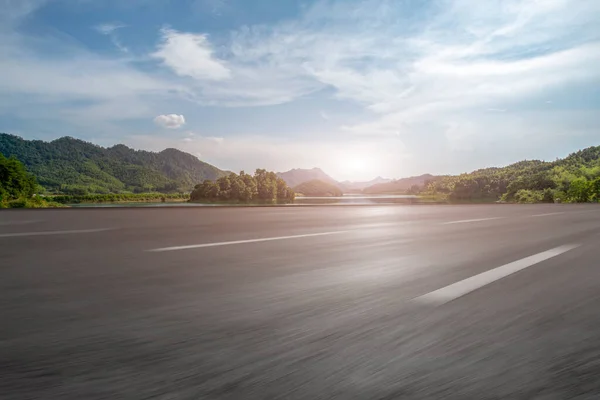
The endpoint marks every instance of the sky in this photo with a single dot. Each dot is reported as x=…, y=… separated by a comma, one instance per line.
x=359, y=88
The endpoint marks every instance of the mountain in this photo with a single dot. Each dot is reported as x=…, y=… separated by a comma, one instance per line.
x=318, y=188
x=399, y=185
x=297, y=176
x=349, y=186
x=73, y=166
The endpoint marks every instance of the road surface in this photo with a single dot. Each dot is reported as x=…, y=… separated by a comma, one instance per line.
x=355, y=302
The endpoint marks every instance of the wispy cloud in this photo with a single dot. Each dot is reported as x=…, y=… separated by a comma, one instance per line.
x=110, y=30
x=83, y=89
x=369, y=52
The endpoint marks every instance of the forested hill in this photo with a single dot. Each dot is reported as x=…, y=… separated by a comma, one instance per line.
x=72, y=166
x=297, y=176
x=575, y=178
x=318, y=188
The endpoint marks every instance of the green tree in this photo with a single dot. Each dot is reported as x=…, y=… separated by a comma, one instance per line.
x=238, y=188
x=580, y=190
x=266, y=185
x=595, y=190
x=548, y=196
x=251, y=188
x=224, y=187
x=15, y=181
x=528, y=196
x=205, y=190
x=283, y=191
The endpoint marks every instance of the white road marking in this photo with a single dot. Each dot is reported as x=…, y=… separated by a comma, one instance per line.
x=197, y=246
x=464, y=221
x=46, y=233
x=545, y=215
x=461, y=288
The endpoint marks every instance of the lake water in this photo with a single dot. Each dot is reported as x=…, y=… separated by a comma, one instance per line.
x=342, y=200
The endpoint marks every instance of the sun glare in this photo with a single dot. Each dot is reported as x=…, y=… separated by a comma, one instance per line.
x=353, y=163
x=353, y=166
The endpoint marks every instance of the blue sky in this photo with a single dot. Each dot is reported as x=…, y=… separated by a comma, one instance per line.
x=358, y=88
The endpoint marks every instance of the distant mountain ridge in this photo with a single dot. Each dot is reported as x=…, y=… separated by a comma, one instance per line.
x=73, y=166
x=359, y=186
x=399, y=185
x=298, y=176
x=295, y=177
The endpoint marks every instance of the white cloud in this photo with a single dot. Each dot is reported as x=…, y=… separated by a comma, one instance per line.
x=170, y=121
x=190, y=55
x=108, y=28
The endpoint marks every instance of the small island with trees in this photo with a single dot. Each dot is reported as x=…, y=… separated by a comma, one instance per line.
x=262, y=187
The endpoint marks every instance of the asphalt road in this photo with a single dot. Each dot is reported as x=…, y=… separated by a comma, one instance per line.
x=356, y=302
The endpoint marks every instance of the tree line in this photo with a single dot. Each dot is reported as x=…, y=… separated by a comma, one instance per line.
x=263, y=186
x=574, y=179
x=118, y=197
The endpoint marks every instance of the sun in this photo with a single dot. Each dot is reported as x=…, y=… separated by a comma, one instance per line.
x=353, y=165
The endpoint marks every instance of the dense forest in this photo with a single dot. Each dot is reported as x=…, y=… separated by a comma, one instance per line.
x=74, y=167
x=264, y=186
x=574, y=179
x=318, y=188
